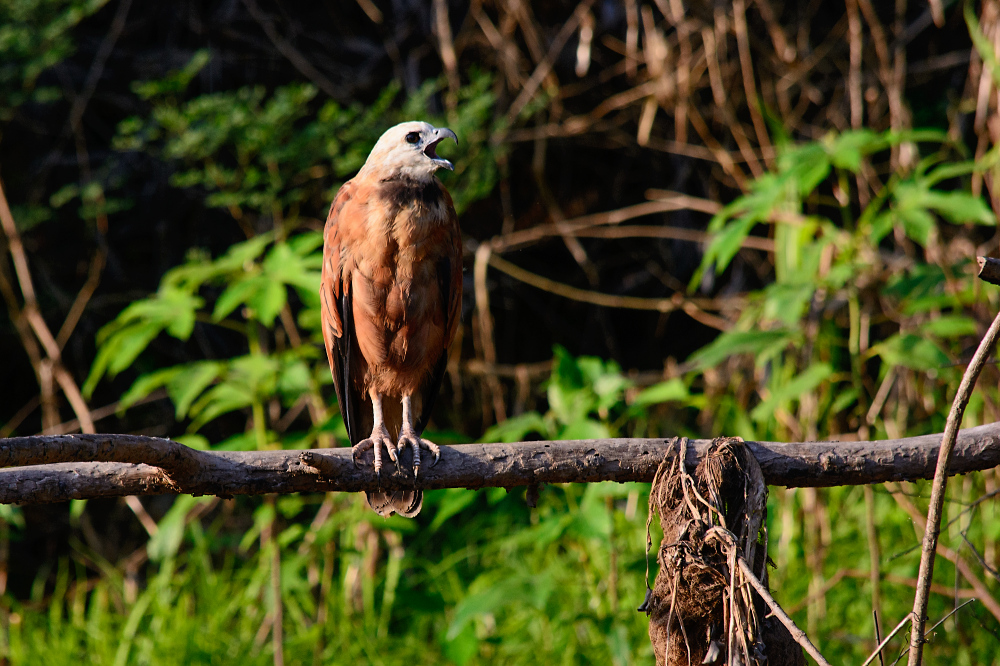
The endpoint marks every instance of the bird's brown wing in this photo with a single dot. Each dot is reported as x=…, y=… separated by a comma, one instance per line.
x=449, y=278
x=337, y=315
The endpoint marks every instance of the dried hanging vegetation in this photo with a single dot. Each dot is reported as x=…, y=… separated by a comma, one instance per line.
x=702, y=609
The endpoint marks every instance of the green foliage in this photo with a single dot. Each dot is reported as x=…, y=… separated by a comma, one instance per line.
x=272, y=153
x=797, y=329
x=35, y=35
x=511, y=585
x=583, y=393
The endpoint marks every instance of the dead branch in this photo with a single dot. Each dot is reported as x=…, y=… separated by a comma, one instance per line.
x=58, y=468
x=989, y=269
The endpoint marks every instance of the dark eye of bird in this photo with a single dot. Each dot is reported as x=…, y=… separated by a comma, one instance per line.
x=413, y=137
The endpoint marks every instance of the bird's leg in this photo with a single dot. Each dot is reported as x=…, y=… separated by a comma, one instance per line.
x=379, y=437
x=408, y=436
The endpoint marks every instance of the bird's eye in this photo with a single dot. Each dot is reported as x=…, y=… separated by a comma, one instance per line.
x=413, y=137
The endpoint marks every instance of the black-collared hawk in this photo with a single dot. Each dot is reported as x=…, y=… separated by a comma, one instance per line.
x=391, y=294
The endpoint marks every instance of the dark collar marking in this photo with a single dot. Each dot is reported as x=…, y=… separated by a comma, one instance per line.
x=402, y=192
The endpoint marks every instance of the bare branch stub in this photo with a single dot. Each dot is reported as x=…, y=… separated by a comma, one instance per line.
x=177, y=461
x=62, y=467
x=989, y=269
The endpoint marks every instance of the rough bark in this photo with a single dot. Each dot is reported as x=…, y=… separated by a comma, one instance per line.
x=58, y=468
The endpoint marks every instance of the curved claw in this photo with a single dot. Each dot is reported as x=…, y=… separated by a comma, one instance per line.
x=378, y=439
x=415, y=442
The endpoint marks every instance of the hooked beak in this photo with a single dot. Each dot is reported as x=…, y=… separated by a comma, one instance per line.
x=440, y=134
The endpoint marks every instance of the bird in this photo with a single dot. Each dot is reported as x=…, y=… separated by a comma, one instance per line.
x=390, y=299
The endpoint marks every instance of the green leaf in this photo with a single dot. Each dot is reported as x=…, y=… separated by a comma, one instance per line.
x=786, y=302
x=585, y=428
x=167, y=540
x=569, y=399
x=294, y=380
x=13, y=515
x=119, y=352
x=236, y=294
x=668, y=391
x=950, y=326
x=527, y=590
x=462, y=647
x=451, y=502
x=244, y=441
x=731, y=343
x=593, y=520
x=610, y=388
x=845, y=398
x=145, y=385
x=176, y=81
x=847, y=149
x=188, y=384
x=804, y=382
x=194, y=441
x=218, y=400
x=64, y=195
x=267, y=302
x=881, y=225
x=285, y=265
x=912, y=351
x=306, y=243
x=984, y=47
x=917, y=224
x=516, y=428
x=959, y=207
x=728, y=241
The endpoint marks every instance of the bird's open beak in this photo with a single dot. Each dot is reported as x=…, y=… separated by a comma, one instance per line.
x=440, y=134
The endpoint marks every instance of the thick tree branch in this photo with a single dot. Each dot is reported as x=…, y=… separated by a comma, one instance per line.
x=62, y=467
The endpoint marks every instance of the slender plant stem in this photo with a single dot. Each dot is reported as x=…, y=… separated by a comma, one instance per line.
x=933, y=528
x=885, y=641
x=800, y=636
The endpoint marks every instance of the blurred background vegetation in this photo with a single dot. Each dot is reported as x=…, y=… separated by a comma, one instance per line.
x=680, y=219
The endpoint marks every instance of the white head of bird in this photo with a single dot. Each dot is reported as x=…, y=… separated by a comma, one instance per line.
x=408, y=150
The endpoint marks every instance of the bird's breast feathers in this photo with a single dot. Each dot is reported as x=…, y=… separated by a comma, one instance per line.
x=397, y=240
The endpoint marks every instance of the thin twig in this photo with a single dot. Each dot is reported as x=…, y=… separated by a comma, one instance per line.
x=51, y=368
x=442, y=28
x=939, y=486
x=545, y=66
x=675, y=302
x=797, y=634
x=885, y=641
x=963, y=567
x=487, y=346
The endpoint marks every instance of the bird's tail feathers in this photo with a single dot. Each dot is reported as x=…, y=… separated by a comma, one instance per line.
x=406, y=503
